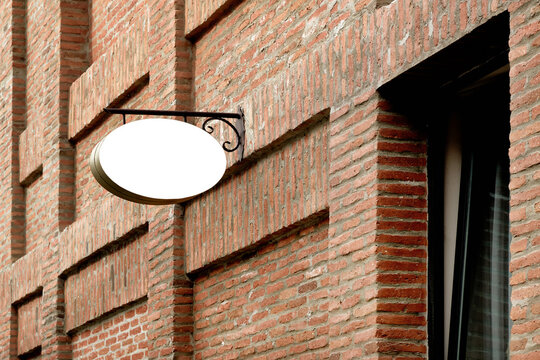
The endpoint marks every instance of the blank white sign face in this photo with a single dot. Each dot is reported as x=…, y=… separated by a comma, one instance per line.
x=158, y=161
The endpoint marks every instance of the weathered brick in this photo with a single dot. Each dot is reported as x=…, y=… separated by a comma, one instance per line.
x=117, y=334
x=111, y=282
x=293, y=66
x=264, y=301
x=126, y=62
x=26, y=275
x=274, y=194
x=31, y=152
x=88, y=234
x=29, y=324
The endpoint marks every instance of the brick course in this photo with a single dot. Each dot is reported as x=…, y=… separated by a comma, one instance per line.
x=315, y=243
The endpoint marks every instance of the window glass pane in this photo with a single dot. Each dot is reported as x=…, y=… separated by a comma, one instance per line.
x=486, y=306
x=480, y=305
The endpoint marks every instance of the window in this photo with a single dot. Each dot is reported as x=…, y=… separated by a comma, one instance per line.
x=468, y=174
x=461, y=94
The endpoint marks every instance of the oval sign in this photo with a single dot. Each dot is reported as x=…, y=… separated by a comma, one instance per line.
x=158, y=161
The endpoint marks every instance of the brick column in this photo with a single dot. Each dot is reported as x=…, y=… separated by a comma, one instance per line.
x=378, y=223
x=12, y=121
x=69, y=21
x=170, y=292
x=352, y=201
x=401, y=240
x=524, y=178
x=12, y=115
x=54, y=342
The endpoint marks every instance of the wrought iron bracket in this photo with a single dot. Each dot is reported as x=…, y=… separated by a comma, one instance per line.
x=238, y=129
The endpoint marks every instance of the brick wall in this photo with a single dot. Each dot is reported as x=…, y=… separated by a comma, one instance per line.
x=271, y=304
x=29, y=319
x=120, y=336
x=317, y=236
x=109, y=20
x=88, y=192
x=524, y=169
x=13, y=79
x=278, y=192
x=112, y=281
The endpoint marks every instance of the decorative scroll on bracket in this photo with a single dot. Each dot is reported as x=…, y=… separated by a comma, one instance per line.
x=239, y=129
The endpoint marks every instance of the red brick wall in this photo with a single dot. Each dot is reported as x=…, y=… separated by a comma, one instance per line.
x=126, y=61
x=13, y=84
x=255, y=43
x=525, y=174
x=402, y=234
x=35, y=209
x=38, y=58
x=379, y=238
x=196, y=14
x=109, y=20
x=88, y=193
x=29, y=320
x=306, y=74
x=267, y=305
x=110, y=282
x=121, y=336
x=26, y=276
x=31, y=152
x=281, y=190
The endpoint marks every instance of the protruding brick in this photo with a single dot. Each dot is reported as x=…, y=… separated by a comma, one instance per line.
x=31, y=152
x=109, y=77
